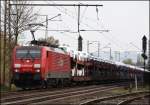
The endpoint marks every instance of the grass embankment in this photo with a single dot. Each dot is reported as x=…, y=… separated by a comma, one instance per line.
x=6, y=88
x=3, y=88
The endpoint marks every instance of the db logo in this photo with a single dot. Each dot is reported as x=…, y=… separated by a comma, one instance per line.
x=60, y=62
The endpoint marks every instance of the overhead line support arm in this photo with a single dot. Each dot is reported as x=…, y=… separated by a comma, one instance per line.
x=57, y=4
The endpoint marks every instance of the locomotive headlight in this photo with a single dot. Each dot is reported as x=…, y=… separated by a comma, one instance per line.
x=17, y=65
x=38, y=70
x=16, y=70
x=37, y=65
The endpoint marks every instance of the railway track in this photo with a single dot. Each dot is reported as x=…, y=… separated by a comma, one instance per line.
x=124, y=99
x=141, y=100
x=55, y=96
x=31, y=93
x=128, y=101
x=18, y=92
x=73, y=97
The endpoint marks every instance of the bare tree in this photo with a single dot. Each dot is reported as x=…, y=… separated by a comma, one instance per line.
x=14, y=20
x=23, y=16
x=20, y=17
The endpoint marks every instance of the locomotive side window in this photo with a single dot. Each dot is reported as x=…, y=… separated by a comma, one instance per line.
x=23, y=53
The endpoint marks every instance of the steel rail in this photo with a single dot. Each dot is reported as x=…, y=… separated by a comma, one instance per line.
x=89, y=102
x=39, y=92
x=75, y=95
x=45, y=94
x=53, y=96
x=17, y=93
x=125, y=102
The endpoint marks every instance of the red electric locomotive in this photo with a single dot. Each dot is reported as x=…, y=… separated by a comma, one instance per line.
x=39, y=65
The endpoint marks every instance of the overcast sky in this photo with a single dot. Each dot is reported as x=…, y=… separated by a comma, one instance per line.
x=127, y=21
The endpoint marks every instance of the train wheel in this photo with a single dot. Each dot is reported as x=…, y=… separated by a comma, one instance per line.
x=44, y=84
x=59, y=84
x=25, y=88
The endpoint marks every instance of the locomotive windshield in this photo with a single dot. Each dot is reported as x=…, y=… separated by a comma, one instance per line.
x=26, y=53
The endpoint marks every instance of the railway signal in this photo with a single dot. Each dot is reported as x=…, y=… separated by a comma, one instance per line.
x=80, y=43
x=144, y=56
x=144, y=48
x=144, y=43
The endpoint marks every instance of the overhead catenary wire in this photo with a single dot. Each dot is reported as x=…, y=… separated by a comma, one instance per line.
x=61, y=31
x=83, y=30
x=56, y=5
x=114, y=42
x=65, y=12
x=110, y=35
x=105, y=35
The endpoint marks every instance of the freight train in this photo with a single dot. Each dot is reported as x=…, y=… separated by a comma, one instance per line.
x=34, y=66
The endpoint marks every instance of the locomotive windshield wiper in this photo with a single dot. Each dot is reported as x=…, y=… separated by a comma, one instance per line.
x=26, y=55
x=30, y=54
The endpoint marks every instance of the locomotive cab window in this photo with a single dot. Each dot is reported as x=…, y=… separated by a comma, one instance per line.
x=25, y=53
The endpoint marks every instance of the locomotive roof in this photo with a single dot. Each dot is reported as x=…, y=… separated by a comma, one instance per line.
x=28, y=47
x=40, y=47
